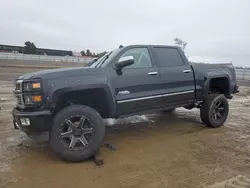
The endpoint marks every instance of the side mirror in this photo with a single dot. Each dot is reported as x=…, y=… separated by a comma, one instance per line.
x=124, y=62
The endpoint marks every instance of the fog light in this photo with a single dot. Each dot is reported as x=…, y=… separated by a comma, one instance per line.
x=25, y=121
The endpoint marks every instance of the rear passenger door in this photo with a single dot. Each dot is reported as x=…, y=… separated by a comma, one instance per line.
x=177, y=78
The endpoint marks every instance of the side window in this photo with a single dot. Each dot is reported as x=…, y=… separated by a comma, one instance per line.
x=168, y=57
x=141, y=58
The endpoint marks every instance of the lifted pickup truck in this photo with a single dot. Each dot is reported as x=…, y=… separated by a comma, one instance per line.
x=71, y=103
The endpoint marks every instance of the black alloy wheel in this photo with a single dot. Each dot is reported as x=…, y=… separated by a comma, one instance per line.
x=77, y=132
x=219, y=111
x=214, y=110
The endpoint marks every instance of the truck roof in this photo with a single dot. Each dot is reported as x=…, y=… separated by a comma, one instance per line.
x=152, y=45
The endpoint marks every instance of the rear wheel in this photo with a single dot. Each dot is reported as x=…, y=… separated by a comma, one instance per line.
x=77, y=133
x=214, y=110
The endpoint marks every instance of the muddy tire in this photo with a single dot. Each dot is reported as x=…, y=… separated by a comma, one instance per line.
x=77, y=133
x=214, y=110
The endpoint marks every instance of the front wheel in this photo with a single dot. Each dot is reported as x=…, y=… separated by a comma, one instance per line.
x=77, y=133
x=214, y=110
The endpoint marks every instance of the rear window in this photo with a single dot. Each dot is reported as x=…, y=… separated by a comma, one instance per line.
x=168, y=57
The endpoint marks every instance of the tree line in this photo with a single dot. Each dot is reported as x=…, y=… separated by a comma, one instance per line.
x=30, y=48
x=98, y=55
x=92, y=54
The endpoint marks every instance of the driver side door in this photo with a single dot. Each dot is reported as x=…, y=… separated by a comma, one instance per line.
x=136, y=89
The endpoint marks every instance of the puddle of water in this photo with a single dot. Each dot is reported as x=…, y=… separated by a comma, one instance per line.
x=132, y=120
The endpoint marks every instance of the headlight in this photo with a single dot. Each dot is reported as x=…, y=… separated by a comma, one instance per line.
x=28, y=86
x=32, y=99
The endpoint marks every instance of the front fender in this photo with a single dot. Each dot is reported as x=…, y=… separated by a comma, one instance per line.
x=56, y=88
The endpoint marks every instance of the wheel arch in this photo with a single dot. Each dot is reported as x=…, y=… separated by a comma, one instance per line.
x=217, y=84
x=97, y=97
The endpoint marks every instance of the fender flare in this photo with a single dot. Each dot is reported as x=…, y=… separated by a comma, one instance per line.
x=207, y=80
x=108, y=94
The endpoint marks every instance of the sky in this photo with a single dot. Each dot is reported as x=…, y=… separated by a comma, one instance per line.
x=216, y=31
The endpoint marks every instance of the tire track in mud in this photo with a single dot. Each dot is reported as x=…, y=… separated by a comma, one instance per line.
x=236, y=182
x=9, y=137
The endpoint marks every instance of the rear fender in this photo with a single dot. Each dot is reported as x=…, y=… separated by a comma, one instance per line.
x=207, y=80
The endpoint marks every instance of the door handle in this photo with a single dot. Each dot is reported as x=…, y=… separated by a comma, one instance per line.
x=153, y=73
x=186, y=71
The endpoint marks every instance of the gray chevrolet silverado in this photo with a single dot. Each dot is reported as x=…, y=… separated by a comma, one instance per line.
x=71, y=103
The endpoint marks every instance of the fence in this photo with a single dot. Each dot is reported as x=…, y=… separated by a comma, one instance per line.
x=17, y=56
x=243, y=74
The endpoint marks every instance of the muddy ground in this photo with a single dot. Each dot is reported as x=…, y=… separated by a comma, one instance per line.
x=157, y=150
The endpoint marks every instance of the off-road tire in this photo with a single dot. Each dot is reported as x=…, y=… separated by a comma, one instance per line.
x=77, y=155
x=206, y=110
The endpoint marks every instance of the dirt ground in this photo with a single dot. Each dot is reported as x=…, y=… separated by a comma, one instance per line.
x=156, y=150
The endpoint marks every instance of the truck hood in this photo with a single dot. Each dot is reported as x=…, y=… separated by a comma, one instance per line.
x=61, y=72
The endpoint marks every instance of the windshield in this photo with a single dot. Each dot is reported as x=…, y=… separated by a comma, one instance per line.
x=105, y=60
x=98, y=61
